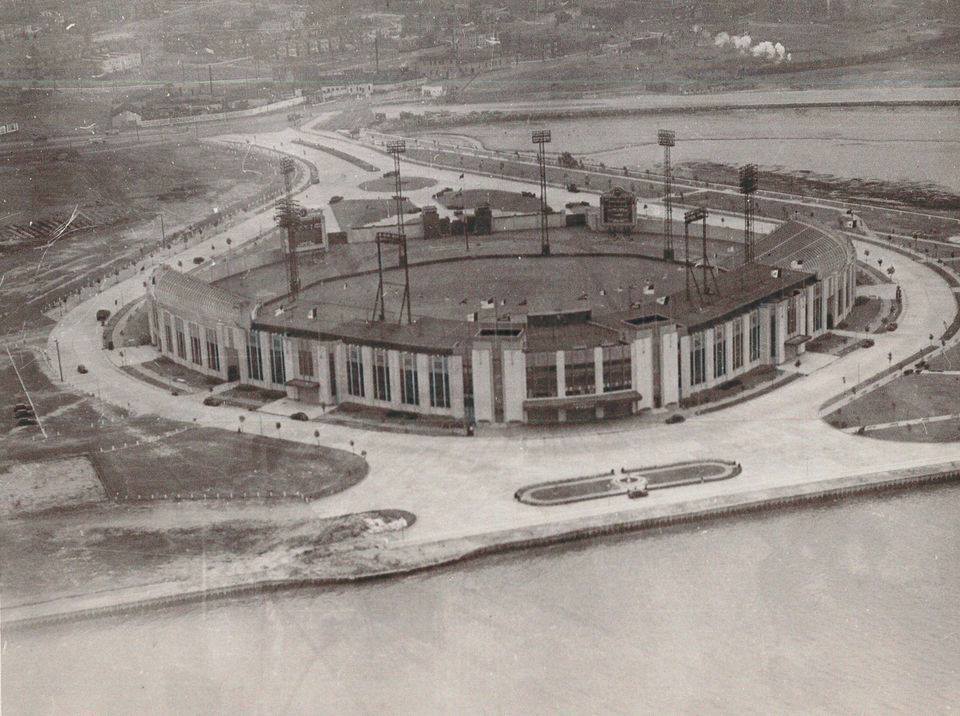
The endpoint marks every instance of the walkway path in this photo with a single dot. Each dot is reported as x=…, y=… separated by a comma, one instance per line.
x=463, y=486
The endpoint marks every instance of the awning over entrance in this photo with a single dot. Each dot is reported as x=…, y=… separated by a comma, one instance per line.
x=577, y=402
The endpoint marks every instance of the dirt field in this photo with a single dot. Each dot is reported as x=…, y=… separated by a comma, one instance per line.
x=119, y=195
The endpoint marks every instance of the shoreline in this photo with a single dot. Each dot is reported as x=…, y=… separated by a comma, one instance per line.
x=456, y=551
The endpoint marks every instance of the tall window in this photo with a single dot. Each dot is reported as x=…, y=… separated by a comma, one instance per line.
x=754, y=335
x=439, y=382
x=542, y=375
x=409, y=384
x=773, y=333
x=213, y=349
x=580, y=372
x=719, y=351
x=181, y=342
x=305, y=360
x=332, y=367
x=195, y=355
x=381, y=375
x=818, y=306
x=791, y=315
x=168, y=334
x=698, y=359
x=616, y=368
x=278, y=373
x=355, y=371
x=737, y=344
x=254, y=357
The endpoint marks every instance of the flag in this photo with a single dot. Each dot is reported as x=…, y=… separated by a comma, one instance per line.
x=663, y=300
x=487, y=303
x=648, y=290
x=775, y=273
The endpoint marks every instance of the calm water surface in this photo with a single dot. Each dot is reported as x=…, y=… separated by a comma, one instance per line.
x=892, y=144
x=852, y=607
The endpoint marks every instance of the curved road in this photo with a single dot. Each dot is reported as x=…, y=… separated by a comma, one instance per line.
x=462, y=486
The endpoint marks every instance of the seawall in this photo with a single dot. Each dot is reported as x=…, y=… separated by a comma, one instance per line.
x=420, y=557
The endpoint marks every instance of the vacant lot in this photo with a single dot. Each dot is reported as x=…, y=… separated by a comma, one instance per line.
x=207, y=463
x=119, y=195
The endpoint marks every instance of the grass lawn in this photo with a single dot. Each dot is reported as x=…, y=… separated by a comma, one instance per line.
x=748, y=381
x=950, y=360
x=496, y=198
x=864, y=316
x=166, y=368
x=828, y=343
x=946, y=431
x=360, y=212
x=205, y=463
x=388, y=185
x=906, y=398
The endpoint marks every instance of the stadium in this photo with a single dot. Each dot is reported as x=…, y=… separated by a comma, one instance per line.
x=481, y=322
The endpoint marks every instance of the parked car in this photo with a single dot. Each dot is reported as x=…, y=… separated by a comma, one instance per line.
x=212, y=400
x=103, y=314
x=674, y=419
x=335, y=199
x=82, y=368
x=198, y=259
x=528, y=194
x=299, y=416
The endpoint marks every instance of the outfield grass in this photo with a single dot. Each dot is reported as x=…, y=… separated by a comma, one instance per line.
x=207, y=463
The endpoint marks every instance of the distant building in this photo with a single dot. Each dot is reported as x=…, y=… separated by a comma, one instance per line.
x=119, y=62
x=432, y=91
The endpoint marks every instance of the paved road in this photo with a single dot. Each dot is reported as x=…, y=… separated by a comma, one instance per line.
x=461, y=486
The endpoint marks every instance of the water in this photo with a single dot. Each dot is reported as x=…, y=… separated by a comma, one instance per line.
x=851, y=607
x=895, y=144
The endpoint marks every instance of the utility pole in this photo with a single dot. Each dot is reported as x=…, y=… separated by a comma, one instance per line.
x=210, y=78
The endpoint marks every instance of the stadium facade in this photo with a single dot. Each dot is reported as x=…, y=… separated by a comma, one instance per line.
x=544, y=366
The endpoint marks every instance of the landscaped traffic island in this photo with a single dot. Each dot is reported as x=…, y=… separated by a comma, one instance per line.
x=634, y=482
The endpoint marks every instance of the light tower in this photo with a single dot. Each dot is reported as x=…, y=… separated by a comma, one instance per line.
x=541, y=137
x=287, y=216
x=748, y=185
x=667, y=138
x=397, y=147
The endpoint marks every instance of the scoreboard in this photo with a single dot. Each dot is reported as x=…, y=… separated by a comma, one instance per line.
x=618, y=208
